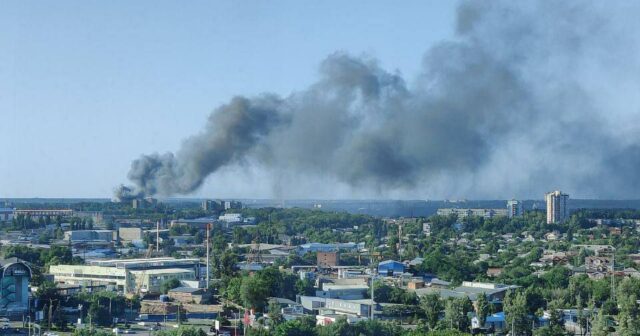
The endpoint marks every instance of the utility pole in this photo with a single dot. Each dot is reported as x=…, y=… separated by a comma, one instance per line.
x=373, y=278
x=613, y=275
x=50, y=310
x=157, y=236
x=208, y=258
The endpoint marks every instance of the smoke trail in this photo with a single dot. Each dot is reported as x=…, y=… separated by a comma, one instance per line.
x=527, y=97
x=232, y=131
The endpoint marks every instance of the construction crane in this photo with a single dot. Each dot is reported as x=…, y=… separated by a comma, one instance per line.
x=140, y=280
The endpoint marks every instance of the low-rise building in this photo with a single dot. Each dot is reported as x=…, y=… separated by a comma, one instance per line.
x=14, y=287
x=89, y=235
x=189, y=295
x=390, y=268
x=129, y=234
x=494, y=292
x=6, y=214
x=128, y=275
x=328, y=259
x=343, y=291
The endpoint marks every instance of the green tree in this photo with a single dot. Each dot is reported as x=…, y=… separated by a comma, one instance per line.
x=253, y=293
x=600, y=325
x=168, y=285
x=482, y=310
x=299, y=327
x=305, y=287
x=432, y=306
x=274, y=313
x=91, y=332
x=516, y=313
x=182, y=331
x=456, y=313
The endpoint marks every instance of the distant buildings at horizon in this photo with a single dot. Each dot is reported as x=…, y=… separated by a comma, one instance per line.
x=220, y=205
x=556, y=208
x=464, y=212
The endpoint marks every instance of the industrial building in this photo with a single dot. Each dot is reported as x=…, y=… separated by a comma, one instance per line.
x=6, y=214
x=128, y=275
x=129, y=234
x=359, y=308
x=349, y=291
x=320, y=247
x=89, y=236
x=391, y=268
x=328, y=259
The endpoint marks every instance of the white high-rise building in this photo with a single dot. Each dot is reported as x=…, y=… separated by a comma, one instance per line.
x=514, y=208
x=556, y=207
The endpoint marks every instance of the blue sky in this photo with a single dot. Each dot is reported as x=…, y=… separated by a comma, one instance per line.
x=87, y=86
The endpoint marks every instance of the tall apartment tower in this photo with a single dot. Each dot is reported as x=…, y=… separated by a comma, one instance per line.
x=514, y=208
x=556, y=207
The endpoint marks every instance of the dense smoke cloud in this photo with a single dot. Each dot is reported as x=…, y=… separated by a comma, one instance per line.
x=527, y=97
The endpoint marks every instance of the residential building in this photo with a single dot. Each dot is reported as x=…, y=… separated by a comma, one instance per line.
x=514, y=208
x=231, y=205
x=556, y=207
x=598, y=264
x=426, y=229
x=37, y=213
x=464, y=213
x=210, y=205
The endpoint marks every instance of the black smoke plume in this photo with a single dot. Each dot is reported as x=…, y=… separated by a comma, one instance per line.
x=528, y=96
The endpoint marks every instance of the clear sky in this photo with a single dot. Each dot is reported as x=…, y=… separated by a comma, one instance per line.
x=87, y=86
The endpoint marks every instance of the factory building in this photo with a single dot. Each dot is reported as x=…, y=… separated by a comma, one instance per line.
x=391, y=268
x=6, y=214
x=128, y=275
x=128, y=235
x=89, y=236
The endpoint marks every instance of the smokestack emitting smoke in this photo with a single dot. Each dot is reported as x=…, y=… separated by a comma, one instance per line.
x=527, y=97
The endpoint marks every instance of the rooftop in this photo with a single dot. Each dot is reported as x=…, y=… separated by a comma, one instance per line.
x=185, y=290
x=163, y=271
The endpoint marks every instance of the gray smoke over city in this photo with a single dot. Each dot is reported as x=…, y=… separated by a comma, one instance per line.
x=525, y=98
